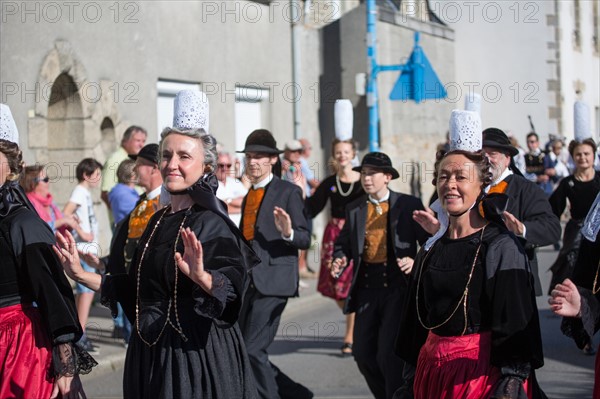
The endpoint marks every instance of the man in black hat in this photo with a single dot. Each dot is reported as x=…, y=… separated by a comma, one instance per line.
x=381, y=237
x=274, y=223
x=529, y=215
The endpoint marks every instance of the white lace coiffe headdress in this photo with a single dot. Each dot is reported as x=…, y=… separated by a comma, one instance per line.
x=581, y=113
x=191, y=110
x=466, y=135
x=8, y=127
x=473, y=102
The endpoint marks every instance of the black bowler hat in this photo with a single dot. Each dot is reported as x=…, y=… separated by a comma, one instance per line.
x=149, y=152
x=379, y=161
x=261, y=141
x=496, y=138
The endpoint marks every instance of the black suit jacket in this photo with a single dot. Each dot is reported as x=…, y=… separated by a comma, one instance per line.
x=528, y=203
x=403, y=242
x=277, y=274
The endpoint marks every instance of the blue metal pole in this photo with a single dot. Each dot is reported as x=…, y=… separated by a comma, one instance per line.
x=372, y=104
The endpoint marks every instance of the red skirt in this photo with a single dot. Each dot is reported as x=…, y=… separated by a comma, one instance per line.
x=25, y=354
x=456, y=367
x=337, y=289
x=597, y=376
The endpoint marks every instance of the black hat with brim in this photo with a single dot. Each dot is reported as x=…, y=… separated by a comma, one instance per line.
x=496, y=138
x=379, y=161
x=261, y=141
x=149, y=152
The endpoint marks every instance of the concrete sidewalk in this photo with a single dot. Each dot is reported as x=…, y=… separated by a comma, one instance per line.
x=111, y=351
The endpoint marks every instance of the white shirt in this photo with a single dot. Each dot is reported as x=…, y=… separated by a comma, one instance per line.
x=82, y=197
x=233, y=189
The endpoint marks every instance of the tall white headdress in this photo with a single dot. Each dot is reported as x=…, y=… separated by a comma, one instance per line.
x=191, y=110
x=473, y=102
x=8, y=127
x=583, y=128
x=465, y=134
x=344, y=119
x=465, y=131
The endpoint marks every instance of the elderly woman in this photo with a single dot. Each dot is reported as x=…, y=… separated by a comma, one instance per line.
x=36, y=184
x=184, y=290
x=38, y=355
x=460, y=327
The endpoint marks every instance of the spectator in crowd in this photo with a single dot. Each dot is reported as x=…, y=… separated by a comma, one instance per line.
x=311, y=182
x=291, y=168
x=132, y=142
x=89, y=173
x=123, y=196
x=554, y=166
x=231, y=190
x=519, y=158
x=534, y=163
x=36, y=184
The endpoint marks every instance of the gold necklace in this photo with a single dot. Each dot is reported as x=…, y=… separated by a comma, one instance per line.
x=172, y=301
x=465, y=294
x=594, y=287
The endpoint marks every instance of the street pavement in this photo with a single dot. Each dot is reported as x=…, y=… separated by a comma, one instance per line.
x=307, y=348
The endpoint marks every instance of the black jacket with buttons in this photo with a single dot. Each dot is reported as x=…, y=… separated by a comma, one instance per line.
x=406, y=233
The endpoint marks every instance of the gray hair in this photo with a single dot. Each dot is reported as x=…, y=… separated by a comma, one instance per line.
x=209, y=144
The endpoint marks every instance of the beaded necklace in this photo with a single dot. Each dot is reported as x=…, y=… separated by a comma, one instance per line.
x=173, y=300
x=463, y=299
x=339, y=187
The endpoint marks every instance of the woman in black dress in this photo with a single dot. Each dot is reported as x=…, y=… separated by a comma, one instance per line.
x=184, y=289
x=460, y=328
x=38, y=319
x=340, y=188
x=578, y=299
x=580, y=189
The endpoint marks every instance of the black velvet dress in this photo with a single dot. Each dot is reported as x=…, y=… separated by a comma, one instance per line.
x=206, y=358
x=501, y=298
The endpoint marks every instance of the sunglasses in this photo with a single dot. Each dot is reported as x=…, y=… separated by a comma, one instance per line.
x=224, y=165
x=45, y=179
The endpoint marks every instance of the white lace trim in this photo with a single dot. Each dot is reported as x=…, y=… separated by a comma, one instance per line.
x=191, y=110
x=8, y=128
x=591, y=225
x=465, y=131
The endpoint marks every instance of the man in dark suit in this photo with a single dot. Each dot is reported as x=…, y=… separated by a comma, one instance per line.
x=529, y=215
x=381, y=237
x=274, y=222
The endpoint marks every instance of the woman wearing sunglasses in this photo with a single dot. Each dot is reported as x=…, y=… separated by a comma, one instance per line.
x=36, y=184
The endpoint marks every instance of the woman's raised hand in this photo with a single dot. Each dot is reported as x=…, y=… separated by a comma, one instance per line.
x=427, y=221
x=66, y=250
x=191, y=263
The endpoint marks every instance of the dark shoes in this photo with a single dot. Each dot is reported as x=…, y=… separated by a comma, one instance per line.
x=589, y=350
x=346, y=349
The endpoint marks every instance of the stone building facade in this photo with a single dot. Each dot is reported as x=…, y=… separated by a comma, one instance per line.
x=76, y=75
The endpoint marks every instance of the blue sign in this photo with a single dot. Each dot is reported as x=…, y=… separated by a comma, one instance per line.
x=418, y=81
